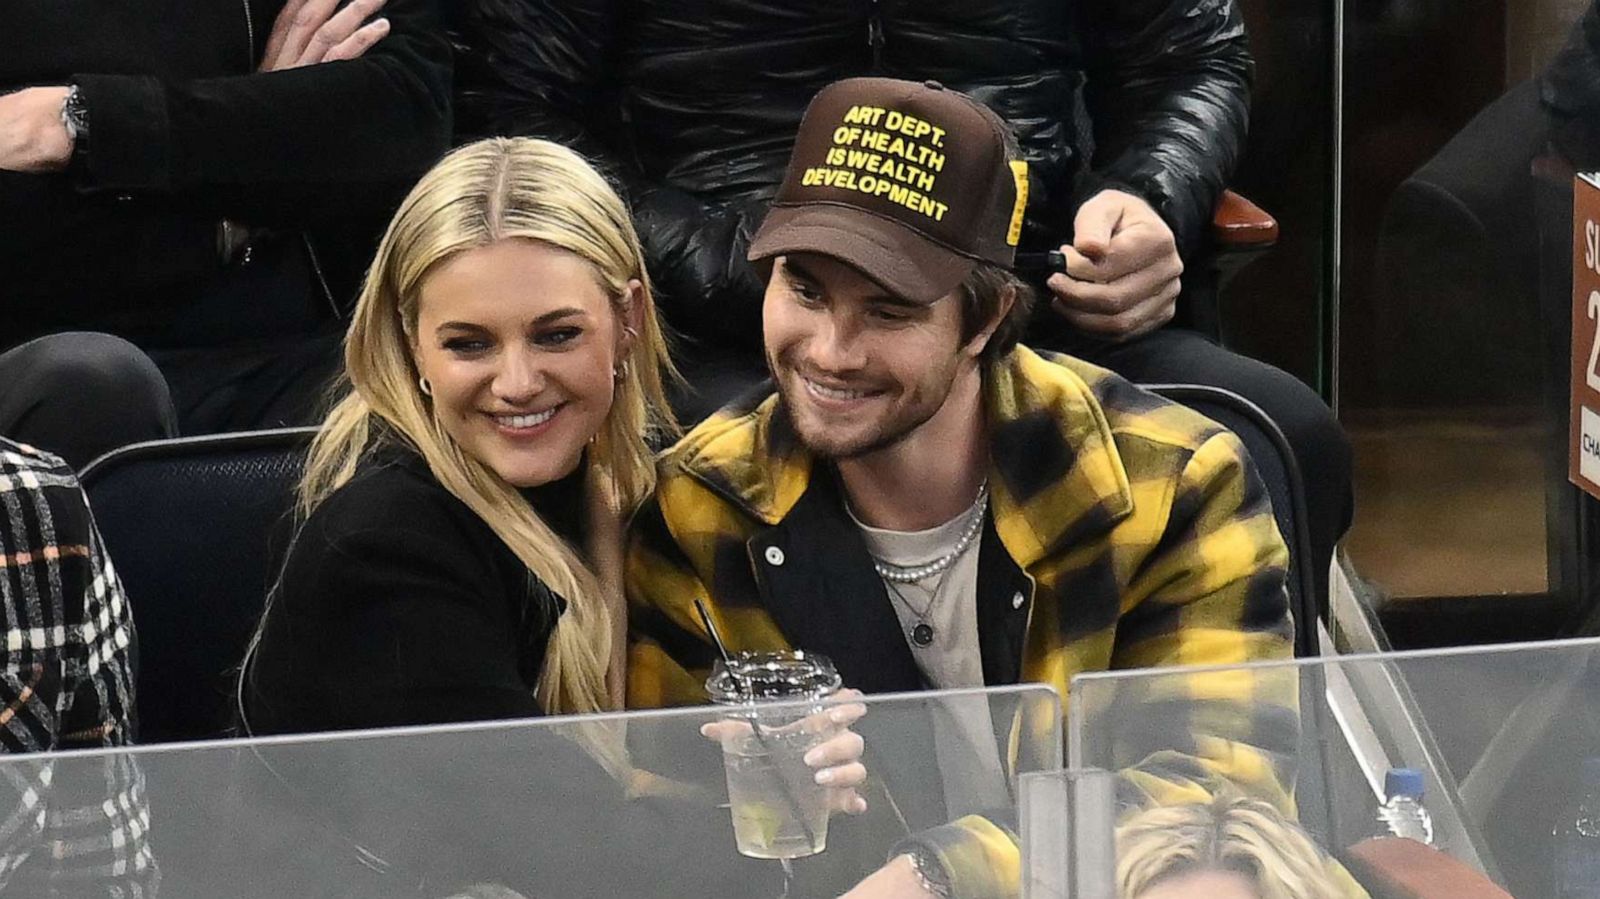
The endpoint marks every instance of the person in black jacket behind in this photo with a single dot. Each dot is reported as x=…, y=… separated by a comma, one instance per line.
x=1569, y=92
x=205, y=180
x=1131, y=115
x=459, y=556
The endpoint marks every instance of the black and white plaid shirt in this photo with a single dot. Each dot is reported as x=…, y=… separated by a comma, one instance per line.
x=77, y=827
x=65, y=681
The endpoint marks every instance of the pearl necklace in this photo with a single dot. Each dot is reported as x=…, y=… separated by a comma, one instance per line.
x=897, y=574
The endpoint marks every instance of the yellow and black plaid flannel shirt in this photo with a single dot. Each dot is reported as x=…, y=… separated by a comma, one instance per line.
x=1135, y=530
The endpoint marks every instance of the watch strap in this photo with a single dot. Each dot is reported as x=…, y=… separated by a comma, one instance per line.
x=931, y=875
x=75, y=118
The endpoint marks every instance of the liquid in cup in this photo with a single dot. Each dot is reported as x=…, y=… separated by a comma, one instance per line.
x=779, y=810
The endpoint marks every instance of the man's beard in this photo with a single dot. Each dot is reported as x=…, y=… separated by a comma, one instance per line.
x=899, y=423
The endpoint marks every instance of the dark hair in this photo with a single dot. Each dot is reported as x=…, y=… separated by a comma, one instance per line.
x=981, y=296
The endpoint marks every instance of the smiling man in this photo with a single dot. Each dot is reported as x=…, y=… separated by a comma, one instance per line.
x=935, y=506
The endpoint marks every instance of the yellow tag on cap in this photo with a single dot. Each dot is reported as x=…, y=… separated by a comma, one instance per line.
x=1019, y=171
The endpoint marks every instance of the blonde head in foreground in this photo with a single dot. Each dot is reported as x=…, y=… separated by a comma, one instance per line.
x=1231, y=848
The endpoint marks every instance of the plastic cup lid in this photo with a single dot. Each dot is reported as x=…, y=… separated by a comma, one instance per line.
x=772, y=677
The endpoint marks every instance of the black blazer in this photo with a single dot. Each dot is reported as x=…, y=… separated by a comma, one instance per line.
x=399, y=606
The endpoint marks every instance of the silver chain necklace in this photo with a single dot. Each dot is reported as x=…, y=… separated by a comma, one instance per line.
x=921, y=634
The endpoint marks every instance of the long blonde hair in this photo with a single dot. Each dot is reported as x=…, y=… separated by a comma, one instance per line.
x=479, y=194
x=1231, y=833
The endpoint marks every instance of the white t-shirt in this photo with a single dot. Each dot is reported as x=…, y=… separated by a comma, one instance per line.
x=947, y=601
x=964, y=736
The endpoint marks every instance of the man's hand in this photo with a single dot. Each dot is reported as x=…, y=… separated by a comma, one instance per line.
x=32, y=136
x=895, y=880
x=1122, y=269
x=307, y=32
x=837, y=760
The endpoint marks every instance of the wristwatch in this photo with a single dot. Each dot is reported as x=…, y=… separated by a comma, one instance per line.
x=931, y=875
x=75, y=118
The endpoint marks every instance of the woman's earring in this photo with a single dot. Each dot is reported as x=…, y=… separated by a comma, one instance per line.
x=427, y=388
x=620, y=372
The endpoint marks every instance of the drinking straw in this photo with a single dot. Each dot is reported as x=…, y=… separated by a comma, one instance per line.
x=743, y=686
x=716, y=638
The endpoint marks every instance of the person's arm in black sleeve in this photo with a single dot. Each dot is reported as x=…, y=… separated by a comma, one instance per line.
x=549, y=71
x=297, y=144
x=1168, y=94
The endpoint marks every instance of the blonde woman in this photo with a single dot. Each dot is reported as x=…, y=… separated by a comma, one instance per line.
x=461, y=507
x=1230, y=848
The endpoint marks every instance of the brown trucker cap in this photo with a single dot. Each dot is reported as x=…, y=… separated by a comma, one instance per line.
x=910, y=183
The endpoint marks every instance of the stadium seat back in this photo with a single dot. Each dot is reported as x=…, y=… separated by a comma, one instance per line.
x=195, y=528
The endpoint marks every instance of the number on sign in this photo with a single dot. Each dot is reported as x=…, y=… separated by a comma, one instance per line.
x=1590, y=376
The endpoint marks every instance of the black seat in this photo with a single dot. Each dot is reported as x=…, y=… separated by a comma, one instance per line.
x=1270, y=452
x=190, y=526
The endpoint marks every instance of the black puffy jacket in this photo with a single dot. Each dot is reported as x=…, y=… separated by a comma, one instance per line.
x=693, y=104
x=1570, y=92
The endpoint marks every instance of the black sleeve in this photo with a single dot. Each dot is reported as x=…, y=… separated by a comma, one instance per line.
x=1168, y=95
x=549, y=70
x=291, y=147
x=389, y=613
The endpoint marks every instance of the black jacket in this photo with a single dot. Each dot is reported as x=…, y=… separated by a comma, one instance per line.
x=694, y=105
x=183, y=133
x=399, y=606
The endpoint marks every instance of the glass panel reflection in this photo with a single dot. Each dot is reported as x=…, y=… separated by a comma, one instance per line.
x=1505, y=743
x=602, y=806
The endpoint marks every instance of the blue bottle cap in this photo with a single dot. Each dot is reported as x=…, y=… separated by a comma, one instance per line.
x=1403, y=782
x=1591, y=771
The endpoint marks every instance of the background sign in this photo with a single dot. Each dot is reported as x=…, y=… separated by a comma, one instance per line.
x=1583, y=466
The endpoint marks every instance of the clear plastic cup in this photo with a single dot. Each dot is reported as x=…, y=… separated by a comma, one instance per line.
x=779, y=810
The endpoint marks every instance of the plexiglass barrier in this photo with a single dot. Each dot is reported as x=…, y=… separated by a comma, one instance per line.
x=605, y=806
x=1067, y=825
x=1504, y=738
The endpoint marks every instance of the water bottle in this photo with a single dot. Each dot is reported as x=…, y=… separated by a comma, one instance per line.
x=1577, y=839
x=1402, y=812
